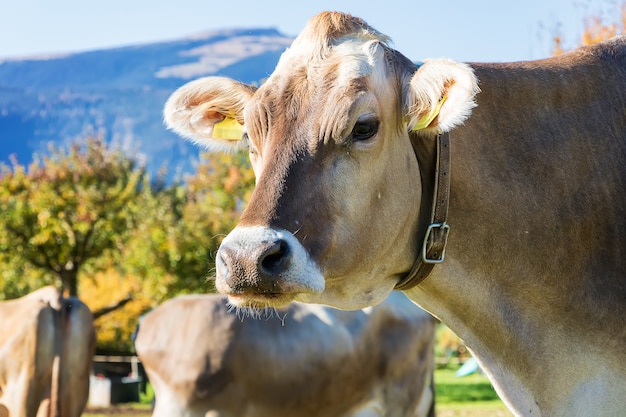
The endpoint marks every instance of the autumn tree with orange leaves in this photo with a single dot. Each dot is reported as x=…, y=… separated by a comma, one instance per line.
x=595, y=30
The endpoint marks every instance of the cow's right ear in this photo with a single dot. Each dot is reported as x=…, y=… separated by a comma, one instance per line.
x=209, y=112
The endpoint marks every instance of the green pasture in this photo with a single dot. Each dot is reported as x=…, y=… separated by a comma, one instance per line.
x=469, y=396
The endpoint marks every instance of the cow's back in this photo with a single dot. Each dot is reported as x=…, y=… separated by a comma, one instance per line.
x=332, y=362
x=305, y=361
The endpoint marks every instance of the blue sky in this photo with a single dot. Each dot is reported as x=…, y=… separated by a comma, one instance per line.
x=477, y=30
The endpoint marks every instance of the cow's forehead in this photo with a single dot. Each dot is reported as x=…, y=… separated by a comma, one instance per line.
x=324, y=66
x=319, y=94
x=318, y=80
x=350, y=57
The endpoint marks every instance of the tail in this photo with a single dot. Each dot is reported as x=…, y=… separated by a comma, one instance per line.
x=59, y=337
x=431, y=411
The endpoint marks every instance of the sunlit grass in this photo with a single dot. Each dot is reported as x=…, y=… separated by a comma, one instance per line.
x=468, y=396
x=470, y=388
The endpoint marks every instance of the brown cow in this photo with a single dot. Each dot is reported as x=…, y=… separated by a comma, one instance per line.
x=359, y=183
x=306, y=361
x=46, y=350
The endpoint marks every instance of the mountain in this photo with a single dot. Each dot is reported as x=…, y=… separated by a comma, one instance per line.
x=120, y=92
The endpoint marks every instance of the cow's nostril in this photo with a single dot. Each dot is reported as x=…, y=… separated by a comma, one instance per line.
x=274, y=259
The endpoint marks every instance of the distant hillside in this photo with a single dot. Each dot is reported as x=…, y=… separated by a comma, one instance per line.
x=120, y=92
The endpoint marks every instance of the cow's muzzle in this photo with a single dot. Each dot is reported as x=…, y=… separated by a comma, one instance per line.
x=263, y=265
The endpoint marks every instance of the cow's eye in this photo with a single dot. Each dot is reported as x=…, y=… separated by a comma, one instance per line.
x=364, y=129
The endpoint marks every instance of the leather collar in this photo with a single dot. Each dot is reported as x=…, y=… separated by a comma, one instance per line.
x=433, y=247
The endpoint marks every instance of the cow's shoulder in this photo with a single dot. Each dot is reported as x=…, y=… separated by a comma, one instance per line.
x=612, y=50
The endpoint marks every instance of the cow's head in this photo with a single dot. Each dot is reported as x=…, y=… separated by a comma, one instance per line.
x=333, y=136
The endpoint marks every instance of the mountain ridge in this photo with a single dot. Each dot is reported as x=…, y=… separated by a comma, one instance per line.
x=119, y=92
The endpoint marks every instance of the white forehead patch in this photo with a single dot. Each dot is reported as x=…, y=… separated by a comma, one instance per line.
x=356, y=57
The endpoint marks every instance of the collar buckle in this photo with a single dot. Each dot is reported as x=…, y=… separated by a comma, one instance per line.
x=436, y=252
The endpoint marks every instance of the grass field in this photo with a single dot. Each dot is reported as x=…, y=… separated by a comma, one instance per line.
x=470, y=396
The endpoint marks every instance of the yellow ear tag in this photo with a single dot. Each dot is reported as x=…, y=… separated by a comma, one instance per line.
x=428, y=118
x=228, y=129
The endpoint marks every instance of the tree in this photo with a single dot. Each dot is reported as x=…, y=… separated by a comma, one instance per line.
x=170, y=250
x=595, y=30
x=178, y=241
x=18, y=277
x=215, y=197
x=106, y=288
x=66, y=210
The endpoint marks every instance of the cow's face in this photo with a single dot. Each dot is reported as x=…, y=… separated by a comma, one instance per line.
x=334, y=215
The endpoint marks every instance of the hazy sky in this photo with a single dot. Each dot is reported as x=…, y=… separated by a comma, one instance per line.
x=466, y=30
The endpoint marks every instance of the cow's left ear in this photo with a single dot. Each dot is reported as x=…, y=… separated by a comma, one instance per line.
x=441, y=95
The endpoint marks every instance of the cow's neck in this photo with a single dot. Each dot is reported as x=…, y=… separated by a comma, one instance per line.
x=515, y=360
x=468, y=313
